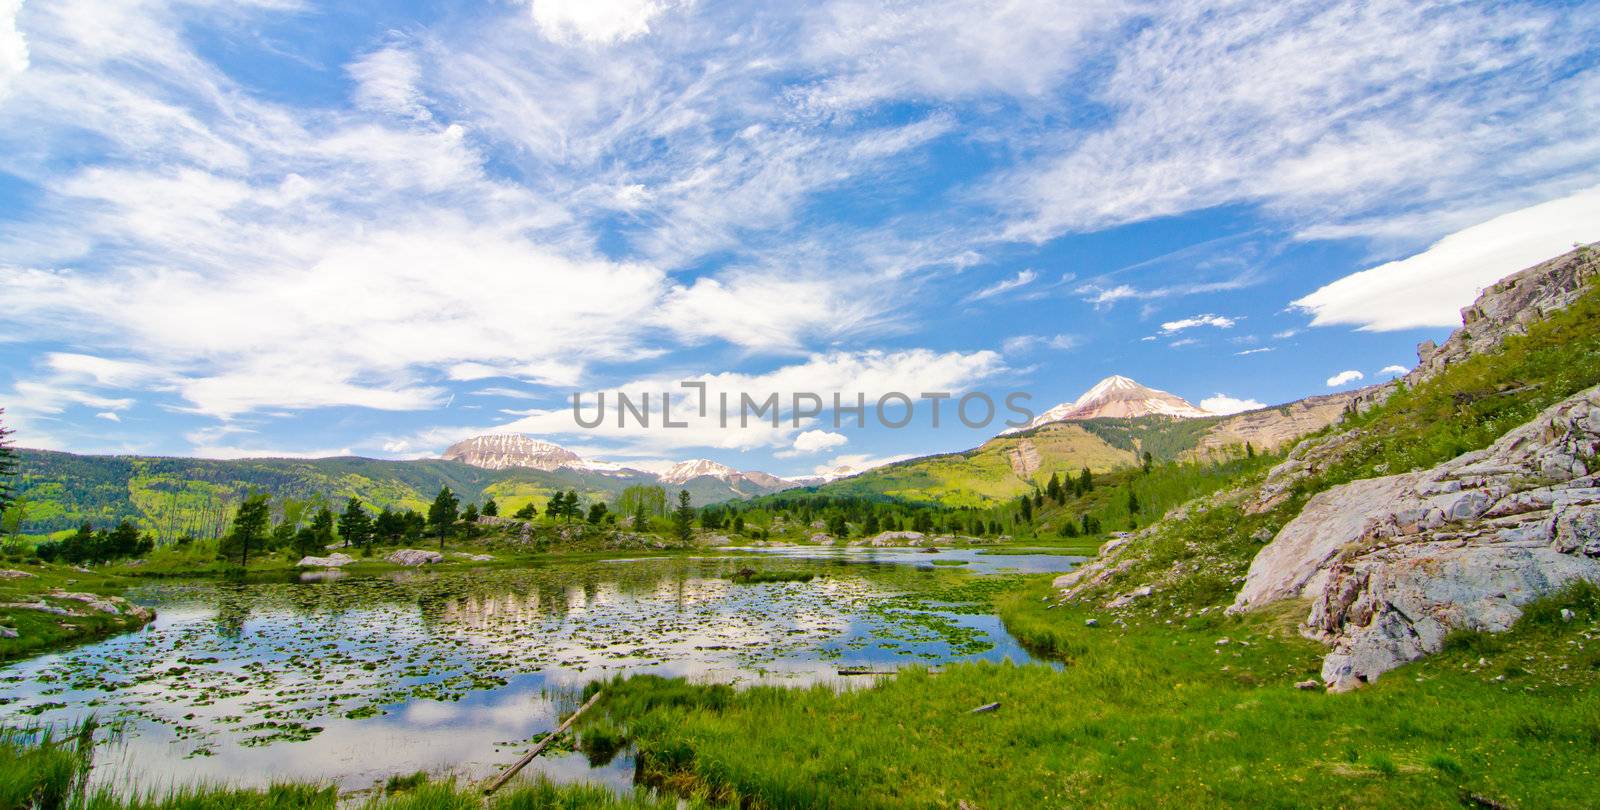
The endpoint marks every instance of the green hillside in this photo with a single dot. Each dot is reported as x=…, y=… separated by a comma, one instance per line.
x=176, y=497
x=1007, y=466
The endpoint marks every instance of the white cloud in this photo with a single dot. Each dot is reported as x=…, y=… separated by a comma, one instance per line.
x=1321, y=111
x=387, y=80
x=109, y=416
x=1224, y=404
x=1345, y=377
x=857, y=463
x=763, y=311
x=1022, y=343
x=1394, y=370
x=871, y=52
x=1182, y=342
x=867, y=373
x=814, y=441
x=1248, y=352
x=1430, y=288
x=1218, y=321
x=1100, y=296
x=596, y=21
x=13, y=46
x=1022, y=279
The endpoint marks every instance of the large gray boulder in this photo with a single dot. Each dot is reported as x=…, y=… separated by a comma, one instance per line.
x=414, y=556
x=1392, y=565
x=334, y=560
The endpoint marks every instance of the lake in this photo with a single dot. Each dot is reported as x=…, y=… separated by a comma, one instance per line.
x=350, y=679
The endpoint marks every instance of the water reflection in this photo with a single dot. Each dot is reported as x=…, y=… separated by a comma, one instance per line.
x=353, y=679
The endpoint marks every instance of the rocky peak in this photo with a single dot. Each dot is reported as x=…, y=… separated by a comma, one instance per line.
x=505, y=450
x=1508, y=307
x=1119, y=396
x=694, y=468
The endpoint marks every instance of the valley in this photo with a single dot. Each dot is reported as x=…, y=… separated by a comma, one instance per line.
x=1117, y=610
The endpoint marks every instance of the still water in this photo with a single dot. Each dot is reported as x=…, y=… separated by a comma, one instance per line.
x=352, y=679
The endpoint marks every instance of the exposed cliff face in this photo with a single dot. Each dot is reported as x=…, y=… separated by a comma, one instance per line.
x=1268, y=429
x=1392, y=565
x=1508, y=307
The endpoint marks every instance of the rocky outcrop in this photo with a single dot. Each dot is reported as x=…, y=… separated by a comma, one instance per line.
x=414, y=556
x=1024, y=459
x=1508, y=307
x=335, y=560
x=1391, y=565
x=1268, y=429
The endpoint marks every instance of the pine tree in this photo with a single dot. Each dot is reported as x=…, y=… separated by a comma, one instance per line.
x=1133, y=502
x=249, y=527
x=1249, y=450
x=1053, y=488
x=8, y=466
x=1085, y=481
x=491, y=509
x=469, y=521
x=1149, y=462
x=354, y=525
x=597, y=513
x=1027, y=509
x=527, y=512
x=442, y=514
x=316, y=536
x=683, y=518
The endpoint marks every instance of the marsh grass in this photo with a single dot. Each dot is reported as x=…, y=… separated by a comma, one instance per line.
x=1145, y=715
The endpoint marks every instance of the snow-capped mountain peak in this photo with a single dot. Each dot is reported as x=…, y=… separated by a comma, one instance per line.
x=499, y=451
x=1119, y=396
x=694, y=468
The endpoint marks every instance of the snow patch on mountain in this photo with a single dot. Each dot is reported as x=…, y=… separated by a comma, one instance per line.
x=1118, y=396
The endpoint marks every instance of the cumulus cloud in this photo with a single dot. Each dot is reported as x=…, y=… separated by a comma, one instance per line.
x=1345, y=377
x=1394, y=370
x=1224, y=404
x=1430, y=288
x=811, y=442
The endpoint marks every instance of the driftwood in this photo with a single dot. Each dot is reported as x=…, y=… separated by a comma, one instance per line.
x=506, y=775
x=987, y=707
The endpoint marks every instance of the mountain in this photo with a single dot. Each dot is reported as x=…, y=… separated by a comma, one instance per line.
x=175, y=497
x=689, y=470
x=503, y=451
x=1119, y=397
x=1112, y=425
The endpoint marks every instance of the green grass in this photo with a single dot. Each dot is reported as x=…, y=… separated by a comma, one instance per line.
x=1144, y=715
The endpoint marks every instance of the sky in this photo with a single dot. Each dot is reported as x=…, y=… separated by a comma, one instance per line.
x=282, y=228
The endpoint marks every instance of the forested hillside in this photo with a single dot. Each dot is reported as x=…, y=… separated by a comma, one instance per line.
x=176, y=497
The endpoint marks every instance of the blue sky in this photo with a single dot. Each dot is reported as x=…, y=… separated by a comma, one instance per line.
x=293, y=228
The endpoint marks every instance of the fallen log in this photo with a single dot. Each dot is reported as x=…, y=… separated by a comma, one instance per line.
x=506, y=775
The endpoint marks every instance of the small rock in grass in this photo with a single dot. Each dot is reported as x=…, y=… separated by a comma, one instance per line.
x=1567, y=615
x=8, y=632
x=1223, y=642
x=1310, y=683
x=1091, y=622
